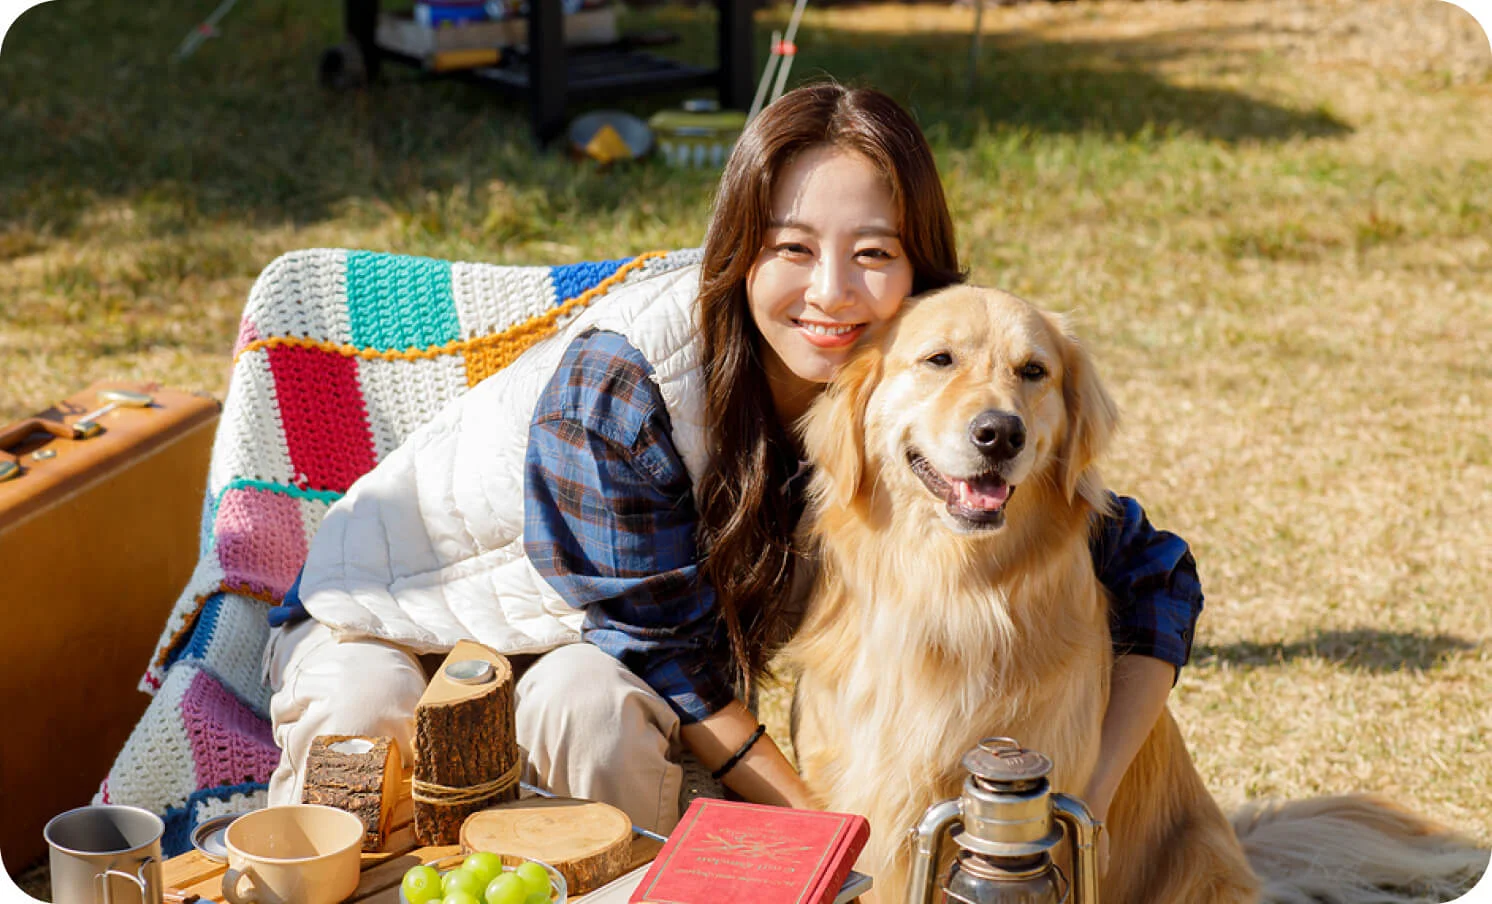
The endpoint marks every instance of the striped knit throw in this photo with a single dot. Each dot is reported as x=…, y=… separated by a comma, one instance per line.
x=340, y=356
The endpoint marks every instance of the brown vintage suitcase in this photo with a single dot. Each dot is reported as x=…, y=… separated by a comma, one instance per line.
x=98, y=534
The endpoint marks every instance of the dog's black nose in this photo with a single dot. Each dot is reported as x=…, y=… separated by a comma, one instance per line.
x=997, y=434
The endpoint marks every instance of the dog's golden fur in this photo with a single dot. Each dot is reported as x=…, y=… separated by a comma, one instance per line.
x=931, y=626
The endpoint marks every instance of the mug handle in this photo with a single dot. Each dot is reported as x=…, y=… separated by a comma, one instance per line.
x=103, y=879
x=231, y=880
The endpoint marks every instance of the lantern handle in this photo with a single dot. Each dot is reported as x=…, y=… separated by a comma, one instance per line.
x=927, y=837
x=1083, y=830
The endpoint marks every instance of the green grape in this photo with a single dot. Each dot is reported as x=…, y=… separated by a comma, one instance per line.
x=484, y=865
x=463, y=880
x=422, y=885
x=535, y=878
x=538, y=897
x=460, y=896
x=507, y=889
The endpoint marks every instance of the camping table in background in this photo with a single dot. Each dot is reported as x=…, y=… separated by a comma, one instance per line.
x=197, y=874
x=551, y=75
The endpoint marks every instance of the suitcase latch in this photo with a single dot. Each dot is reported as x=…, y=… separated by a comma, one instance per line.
x=87, y=426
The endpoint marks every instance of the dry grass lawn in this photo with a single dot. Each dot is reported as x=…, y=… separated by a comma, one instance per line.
x=1273, y=219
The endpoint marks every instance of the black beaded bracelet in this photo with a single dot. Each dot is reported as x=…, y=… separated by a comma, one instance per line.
x=736, y=757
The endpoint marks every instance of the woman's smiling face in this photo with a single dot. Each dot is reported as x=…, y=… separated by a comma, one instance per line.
x=831, y=266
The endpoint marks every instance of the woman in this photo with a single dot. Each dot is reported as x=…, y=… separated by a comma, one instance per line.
x=828, y=216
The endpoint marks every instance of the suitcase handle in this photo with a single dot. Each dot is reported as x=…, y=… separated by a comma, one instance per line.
x=15, y=434
x=18, y=433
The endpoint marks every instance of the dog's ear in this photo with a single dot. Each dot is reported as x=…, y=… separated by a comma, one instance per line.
x=1092, y=419
x=833, y=430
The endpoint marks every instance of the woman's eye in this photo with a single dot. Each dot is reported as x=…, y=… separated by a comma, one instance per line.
x=941, y=359
x=792, y=248
x=1033, y=372
x=879, y=254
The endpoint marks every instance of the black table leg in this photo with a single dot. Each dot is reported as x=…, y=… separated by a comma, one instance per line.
x=546, y=70
x=361, y=20
x=736, y=88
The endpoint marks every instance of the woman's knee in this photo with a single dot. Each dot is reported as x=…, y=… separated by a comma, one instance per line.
x=593, y=729
x=362, y=687
x=325, y=687
x=580, y=689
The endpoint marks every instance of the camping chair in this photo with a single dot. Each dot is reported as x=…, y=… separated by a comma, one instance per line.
x=340, y=355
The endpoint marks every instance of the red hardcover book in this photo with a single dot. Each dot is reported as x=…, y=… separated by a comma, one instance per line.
x=723, y=852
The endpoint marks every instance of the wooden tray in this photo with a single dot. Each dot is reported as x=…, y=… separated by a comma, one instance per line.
x=196, y=874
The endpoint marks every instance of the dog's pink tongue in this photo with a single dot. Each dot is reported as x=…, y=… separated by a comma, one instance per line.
x=980, y=495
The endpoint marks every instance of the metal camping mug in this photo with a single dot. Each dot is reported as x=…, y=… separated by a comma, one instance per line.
x=105, y=854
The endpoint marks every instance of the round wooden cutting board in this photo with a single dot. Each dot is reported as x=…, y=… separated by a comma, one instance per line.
x=590, y=843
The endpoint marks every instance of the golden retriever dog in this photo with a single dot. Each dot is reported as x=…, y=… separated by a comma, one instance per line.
x=956, y=598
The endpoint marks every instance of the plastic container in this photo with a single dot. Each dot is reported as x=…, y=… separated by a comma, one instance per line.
x=698, y=135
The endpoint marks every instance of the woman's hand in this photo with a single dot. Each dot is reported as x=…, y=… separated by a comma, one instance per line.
x=763, y=775
x=1098, y=806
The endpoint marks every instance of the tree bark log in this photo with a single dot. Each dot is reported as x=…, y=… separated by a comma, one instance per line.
x=359, y=775
x=465, y=744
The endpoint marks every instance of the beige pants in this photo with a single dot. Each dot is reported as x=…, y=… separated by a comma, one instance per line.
x=590, y=727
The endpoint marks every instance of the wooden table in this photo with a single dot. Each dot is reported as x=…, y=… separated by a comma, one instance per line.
x=196, y=874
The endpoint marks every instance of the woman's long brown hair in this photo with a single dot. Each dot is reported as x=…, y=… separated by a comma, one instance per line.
x=746, y=523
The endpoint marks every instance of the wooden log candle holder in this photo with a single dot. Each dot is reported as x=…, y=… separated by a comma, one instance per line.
x=589, y=842
x=465, y=743
x=359, y=775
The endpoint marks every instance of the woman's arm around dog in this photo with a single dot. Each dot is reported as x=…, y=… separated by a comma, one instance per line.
x=1155, y=600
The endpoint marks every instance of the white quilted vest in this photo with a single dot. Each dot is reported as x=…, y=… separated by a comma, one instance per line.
x=427, y=548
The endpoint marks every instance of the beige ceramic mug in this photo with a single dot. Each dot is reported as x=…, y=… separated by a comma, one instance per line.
x=300, y=854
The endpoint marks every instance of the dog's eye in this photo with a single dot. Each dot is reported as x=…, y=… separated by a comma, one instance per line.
x=941, y=359
x=1033, y=372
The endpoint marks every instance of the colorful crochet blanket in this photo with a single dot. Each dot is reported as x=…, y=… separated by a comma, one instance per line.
x=339, y=357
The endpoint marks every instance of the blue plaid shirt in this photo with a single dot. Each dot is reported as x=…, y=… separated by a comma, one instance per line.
x=610, y=523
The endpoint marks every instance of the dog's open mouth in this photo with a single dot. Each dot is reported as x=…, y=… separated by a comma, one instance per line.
x=977, y=501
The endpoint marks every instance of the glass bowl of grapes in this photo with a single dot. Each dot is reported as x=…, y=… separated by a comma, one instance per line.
x=481, y=878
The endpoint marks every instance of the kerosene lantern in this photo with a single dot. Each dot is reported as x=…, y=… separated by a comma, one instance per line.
x=1008, y=820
